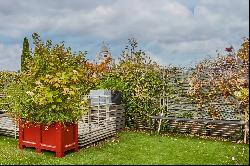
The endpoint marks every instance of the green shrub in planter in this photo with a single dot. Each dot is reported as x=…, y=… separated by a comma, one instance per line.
x=49, y=90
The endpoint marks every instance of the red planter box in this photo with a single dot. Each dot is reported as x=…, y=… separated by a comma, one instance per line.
x=55, y=137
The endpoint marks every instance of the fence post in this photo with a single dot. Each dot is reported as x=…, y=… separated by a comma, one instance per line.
x=246, y=129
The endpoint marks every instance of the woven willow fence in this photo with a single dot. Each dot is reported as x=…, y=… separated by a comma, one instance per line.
x=180, y=114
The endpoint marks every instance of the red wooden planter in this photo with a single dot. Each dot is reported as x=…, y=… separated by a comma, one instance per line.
x=55, y=137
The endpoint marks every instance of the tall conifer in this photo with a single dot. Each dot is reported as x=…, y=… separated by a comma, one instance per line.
x=25, y=54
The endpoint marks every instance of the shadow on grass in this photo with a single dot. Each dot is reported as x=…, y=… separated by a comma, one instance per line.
x=45, y=152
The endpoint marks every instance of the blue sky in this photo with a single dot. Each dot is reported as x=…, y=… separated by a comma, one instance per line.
x=178, y=32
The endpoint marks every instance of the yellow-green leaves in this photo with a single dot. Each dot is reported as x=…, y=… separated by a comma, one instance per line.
x=52, y=84
x=140, y=81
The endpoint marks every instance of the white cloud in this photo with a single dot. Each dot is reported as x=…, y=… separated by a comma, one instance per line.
x=197, y=46
x=175, y=27
x=10, y=57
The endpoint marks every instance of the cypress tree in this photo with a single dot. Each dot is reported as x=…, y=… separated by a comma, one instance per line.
x=25, y=54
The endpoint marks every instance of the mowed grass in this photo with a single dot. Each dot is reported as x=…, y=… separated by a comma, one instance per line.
x=131, y=147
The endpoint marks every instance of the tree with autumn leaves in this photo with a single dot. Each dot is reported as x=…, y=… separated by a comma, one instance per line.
x=226, y=78
x=140, y=80
x=96, y=72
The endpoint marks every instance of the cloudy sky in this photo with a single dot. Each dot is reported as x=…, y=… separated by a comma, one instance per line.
x=179, y=32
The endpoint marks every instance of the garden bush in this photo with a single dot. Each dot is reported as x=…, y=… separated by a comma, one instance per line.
x=50, y=88
x=224, y=78
x=141, y=82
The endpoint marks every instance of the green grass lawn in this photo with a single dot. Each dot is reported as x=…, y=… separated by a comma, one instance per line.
x=132, y=147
